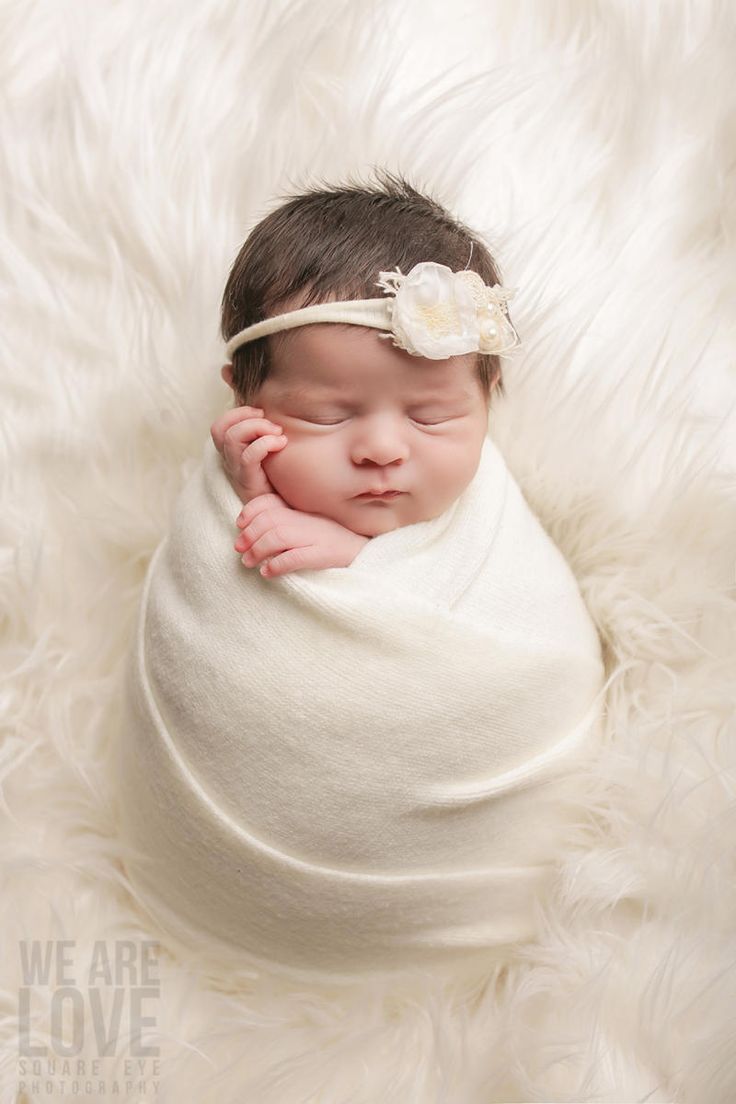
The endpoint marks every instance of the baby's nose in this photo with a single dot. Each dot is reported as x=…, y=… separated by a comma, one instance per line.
x=380, y=438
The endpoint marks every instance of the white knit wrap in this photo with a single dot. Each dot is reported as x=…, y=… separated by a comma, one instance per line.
x=355, y=768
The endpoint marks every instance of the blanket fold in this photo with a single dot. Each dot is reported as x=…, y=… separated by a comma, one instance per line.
x=363, y=767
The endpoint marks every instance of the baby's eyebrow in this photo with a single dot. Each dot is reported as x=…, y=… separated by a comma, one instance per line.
x=320, y=390
x=308, y=390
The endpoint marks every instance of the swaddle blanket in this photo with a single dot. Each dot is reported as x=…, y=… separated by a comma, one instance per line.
x=354, y=768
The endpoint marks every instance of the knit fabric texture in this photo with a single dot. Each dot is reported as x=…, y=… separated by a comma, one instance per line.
x=357, y=768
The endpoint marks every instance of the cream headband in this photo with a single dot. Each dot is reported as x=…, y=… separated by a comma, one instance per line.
x=434, y=313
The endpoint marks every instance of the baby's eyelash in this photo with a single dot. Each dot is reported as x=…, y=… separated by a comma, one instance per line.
x=419, y=421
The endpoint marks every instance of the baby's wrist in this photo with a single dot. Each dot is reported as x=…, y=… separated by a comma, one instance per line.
x=238, y=487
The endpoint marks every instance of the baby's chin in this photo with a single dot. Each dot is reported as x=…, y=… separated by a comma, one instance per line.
x=375, y=529
x=374, y=521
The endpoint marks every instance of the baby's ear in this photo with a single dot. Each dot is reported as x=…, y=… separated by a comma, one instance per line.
x=227, y=374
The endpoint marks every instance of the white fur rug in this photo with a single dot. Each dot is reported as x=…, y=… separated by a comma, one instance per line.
x=593, y=143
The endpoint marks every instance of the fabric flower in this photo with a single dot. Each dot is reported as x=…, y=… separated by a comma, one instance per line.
x=437, y=313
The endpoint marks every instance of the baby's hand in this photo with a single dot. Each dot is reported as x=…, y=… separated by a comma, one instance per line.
x=244, y=438
x=290, y=540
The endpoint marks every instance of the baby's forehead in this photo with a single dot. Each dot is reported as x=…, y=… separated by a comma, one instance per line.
x=325, y=390
x=328, y=357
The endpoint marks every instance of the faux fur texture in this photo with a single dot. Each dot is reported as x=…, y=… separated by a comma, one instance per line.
x=593, y=143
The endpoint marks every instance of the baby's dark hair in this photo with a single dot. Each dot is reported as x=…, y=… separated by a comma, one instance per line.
x=332, y=242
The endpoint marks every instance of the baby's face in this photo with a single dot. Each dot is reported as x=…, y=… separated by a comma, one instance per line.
x=362, y=415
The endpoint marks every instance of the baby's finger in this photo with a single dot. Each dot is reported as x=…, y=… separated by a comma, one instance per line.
x=256, y=505
x=258, y=548
x=269, y=531
x=221, y=425
x=250, y=459
x=237, y=442
x=249, y=429
x=293, y=559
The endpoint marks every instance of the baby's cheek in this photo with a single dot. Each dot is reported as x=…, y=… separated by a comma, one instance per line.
x=277, y=466
x=304, y=476
x=286, y=473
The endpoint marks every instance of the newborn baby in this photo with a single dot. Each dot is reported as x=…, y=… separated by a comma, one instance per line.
x=375, y=438
x=360, y=760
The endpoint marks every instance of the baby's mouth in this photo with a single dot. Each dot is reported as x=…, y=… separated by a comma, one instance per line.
x=380, y=494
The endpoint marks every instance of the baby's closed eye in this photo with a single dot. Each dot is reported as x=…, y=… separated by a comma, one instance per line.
x=339, y=419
